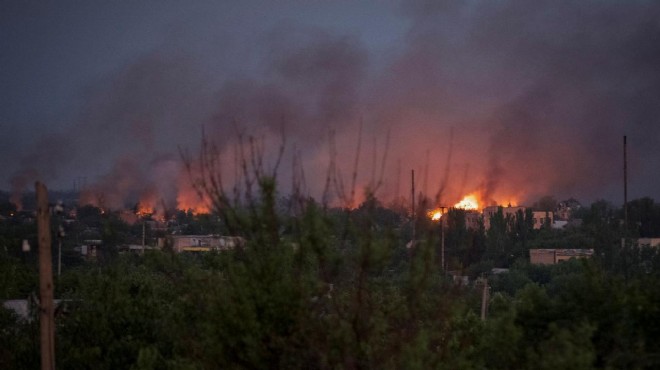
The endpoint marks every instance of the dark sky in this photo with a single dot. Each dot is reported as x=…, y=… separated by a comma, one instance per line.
x=537, y=94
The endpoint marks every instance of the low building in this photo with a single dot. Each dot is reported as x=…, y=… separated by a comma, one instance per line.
x=135, y=248
x=204, y=243
x=28, y=309
x=89, y=248
x=559, y=224
x=554, y=256
x=648, y=242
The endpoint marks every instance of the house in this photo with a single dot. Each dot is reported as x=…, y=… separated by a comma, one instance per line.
x=554, y=256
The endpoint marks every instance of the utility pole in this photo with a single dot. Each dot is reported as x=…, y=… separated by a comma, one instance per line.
x=414, y=216
x=59, y=256
x=625, y=188
x=624, y=241
x=442, y=237
x=59, y=209
x=484, y=299
x=46, y=312
x=442, y=243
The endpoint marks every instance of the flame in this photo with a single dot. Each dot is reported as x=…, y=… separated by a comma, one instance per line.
x=189, y=201
x=469, y=202
x=144, y=210
x=197, y=210
x=511, y=202
x=435, y=214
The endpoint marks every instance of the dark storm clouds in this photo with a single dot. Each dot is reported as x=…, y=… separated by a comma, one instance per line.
x=539, y=94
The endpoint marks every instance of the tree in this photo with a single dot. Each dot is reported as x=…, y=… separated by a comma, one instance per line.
x=644, y=217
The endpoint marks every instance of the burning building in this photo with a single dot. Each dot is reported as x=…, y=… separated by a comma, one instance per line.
x=474, y=215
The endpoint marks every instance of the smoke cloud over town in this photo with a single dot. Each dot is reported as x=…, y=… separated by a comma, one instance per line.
x=512, y=99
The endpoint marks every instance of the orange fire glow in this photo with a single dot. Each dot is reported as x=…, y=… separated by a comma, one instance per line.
x=435, y=214
x=189, y=201
x=144, y=210
x=469, y=202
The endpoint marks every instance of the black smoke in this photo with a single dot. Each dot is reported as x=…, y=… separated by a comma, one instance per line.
x=539, y=95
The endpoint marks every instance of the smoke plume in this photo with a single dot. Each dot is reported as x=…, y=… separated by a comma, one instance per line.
x=538, y=95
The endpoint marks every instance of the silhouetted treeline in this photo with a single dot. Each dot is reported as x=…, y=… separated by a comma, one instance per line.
x=321, y=287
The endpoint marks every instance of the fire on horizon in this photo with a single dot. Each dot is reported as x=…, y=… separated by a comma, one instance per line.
x=537, y=107
x=470, y=202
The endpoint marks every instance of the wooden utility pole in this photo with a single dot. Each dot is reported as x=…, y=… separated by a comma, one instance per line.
x=442, y=237
x=625, y=188
x=484, y=299
x=414, y=216
x=442, y=242
x=46, y=311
